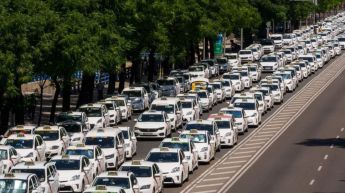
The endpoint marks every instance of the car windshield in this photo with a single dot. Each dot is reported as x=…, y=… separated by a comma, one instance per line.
x=245, y=52
x=276, y=37
x=176, y=145
x=132, y=93
x=39, y=172
x=223, y=124
x=186, y=104
x=267, y=42
x=196, y=68
x=72, y=128
x=196, y=138
x=109, y=106
x=258, y=97
x=252, y=69
x=318, y=56
x=286, y=76
x=162, y=157
x=186, y=76
x=302, y=64
x=180, y=79
x=103, y=142
x=287, y=36
x=287, y=51
x=232, y=57
x=268, y=59
x=48, y=135
x=245, y=106
x=122, y=182
x=138, y=171
x=64, y=117
x=125, y=134
x=3, y=154
x=226, y=83
x=300, y=47
x=244, y=73
x=231, y=77
x=86, y=152
x=216, y=86
x=264, y=91
x=92, y=111
x=120, y=103
x=20, y=143
x=165, y=82
x=221, y=61
x=200, y=127
x=309, y=59
x=67, y=164
x=151, y=118
x=272, y=86
x=13, y=186
x=202, y=94
x=234, y=113
x=166, y=108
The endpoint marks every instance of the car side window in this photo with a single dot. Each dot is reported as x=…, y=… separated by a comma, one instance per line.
x=87, y=162
x=49, y=172
x=121, y=140
x=134, y=180
x=156, y=168
x=83, y=163
x=31, y=185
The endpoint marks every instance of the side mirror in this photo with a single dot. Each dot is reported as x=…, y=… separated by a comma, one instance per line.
x=14, y=157
x=133, y=138
x=172, y=119
x=136, y=188
x=120, y=146
x=86, y=168
x=100, y=157
x=39, y=147
x=135, y=120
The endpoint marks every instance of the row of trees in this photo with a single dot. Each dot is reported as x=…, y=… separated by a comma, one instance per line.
x=57, y=38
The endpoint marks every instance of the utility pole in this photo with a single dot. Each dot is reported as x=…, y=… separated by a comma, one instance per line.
x=241, y=38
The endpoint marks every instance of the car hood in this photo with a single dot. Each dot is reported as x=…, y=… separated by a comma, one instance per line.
x=149, y=125
x=24, y=152
x=167, y=167
x=108, y=151
x=67, y=175
x=268, y=63
x=167, y=87
x=199, y=146
x=250, y=112
x=185, y=111
x=94, y=120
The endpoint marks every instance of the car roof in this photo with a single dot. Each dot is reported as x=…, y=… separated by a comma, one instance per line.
x=71, y=113
x=138, y=163
x=152, y=112
x=244, y=101
x=69, y=157
x=22, y=136
x=81, y=146
x=23, y=127
x=176, y=140
x=101, y=132
x=33, y=165
x=165, y=149
x=5, y=147
x=16, y=176
x=200, y=121
x=114, y=174
x=92, y=105
x=48, y=128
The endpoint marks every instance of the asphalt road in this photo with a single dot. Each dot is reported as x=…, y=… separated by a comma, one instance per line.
x=309, y=156
x=144, y=146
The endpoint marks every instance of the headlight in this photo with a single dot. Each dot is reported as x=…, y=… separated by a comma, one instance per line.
x=76, y=139
x=55, y=147
x=76, y=177
x=175, y=169
x=123, y=110
x=204, y=149
x=227, y=90
x=110, y=156
x=127, y=145
x=188, y=157
x=145, y=186
x=112, y=115
x=238, y=83
x=161, y=128
x=30, y=154
x=99, y=121
x=189, y=113
x=228, y=134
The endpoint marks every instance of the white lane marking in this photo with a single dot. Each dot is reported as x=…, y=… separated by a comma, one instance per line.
x=263, y=139
x=319, y=168
x=207, y=191
x=244, y=152
x=221, y=173
x=249, y=147
x=229, y=167
x=214, y=179
x=311, y=182
x=265, y=132
x=342, y=129
x=338, y=136
x=234, y=162
x=261, y=136
x=239, y=157
x=331, y=146
x=258, y=143
x=271, y=128
x=209, y=185
x=326, y=157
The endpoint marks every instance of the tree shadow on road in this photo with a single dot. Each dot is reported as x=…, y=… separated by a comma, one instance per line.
x=340, y=143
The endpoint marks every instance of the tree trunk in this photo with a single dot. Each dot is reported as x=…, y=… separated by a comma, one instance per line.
x=198, y=51
x=66, y=93
x=55, y=100
x=41, y=103
x=206, y=48
x=5, y=117
x=211, y=48
x=191, y=55
x=111, y=85
x=151, y=65
x=87, y=87
x=122, y=78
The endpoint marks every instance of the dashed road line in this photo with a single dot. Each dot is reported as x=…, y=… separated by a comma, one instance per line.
x=325, y=157
x=240, y=157
x=319, y=168
x=234, y=162
x=338, y=136
x=331, y=146
x=311, y=182
x=342, y=129
x=213, y=179
x=229, y=167
x=222, y=173
x=209, y=185
x=244, y=152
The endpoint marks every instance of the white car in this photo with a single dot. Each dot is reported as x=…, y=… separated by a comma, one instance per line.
x=9, y=158
x=277, y=94
x=148, y=175
x=277, y=39
x=153, y=124
x=30, y=146
x=203, y=143
x=104, y=189
x=111, y=141
x=228, y=87
x=239, y=118
x=195, y=97
x=24, y=129
x=288, y=80
x=20, y=182
x=251, y=109
x=288, y=39
x=254, y=73
x=246, y=56
x=188, y=148
x=172, y=107
x=97, y=115
x=259, y=96
x=269, y=63
x=319, y=59
x=311, y=61
x=114, y=112
x=206, y=125
x=219, y=90
x=199, y=71
x=245, y=77
x=233, y=59
x=56, y=139
x=76, y=124
x=190, y=110
x=75, y=172
x=45, y=171
x=130, y=141
x=227, y=130
x=172, y=163
x=137, y=97
x=92, y=152
x=123, y=179
x=304, y=68
x=125, y=107
x=267, y=96
x=205, y=99
x=236, y=80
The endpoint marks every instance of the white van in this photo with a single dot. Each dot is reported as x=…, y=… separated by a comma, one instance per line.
x=173, y=108
x=111, y=141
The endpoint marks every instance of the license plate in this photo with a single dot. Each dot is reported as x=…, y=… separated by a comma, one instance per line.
x=147, y=133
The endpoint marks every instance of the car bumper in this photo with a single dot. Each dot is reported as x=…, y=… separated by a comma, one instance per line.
x=253, y=121
x=138, y=106
x=227, y=141
x=172, y=178
x=152, y=133
x=110, y=163
x=70, y=186
x=203, y=157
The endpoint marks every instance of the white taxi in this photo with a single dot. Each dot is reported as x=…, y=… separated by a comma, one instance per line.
x=153, y=124
x=75, y=172
x=171, y=106
x=111, y=141
x=251, y=109
x=227, y=130
x=188, y=148
x=239, y=118
x=9, y=157
x=205, y=99
x=220, y=92
x=172, y=163
x=23, y=183
x=190, y=110
x=125, y=180
x=148, y=175
x=125, y=107
x=104, y=189
x=23, y=129
x=93, y=152
x=206, y=125
x=228, y=87
x=236, y=79
x=203, y=143
x=114, y=112
x=277, y=94
x=55, y=138
x=45, y=171
x=30, y=146
x=97, y=115
x=130, y=141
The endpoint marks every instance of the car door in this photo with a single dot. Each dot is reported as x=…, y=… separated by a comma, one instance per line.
x=106, y=116
x=158, y=177
x=120, y=147
x=133, y=139
x=88, y=173
x=100, y=159
x=134, y=183
x=14, y=158
x=52, y=179
x=65, y=139
x=194, y=153
x=146, y=98
x=217, y=133
x=184, y=164
x=40, y=148
x=178, y=112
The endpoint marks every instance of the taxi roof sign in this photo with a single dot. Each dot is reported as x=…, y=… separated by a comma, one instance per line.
x=20, y=135
x=101, y=187
x=9, y=175
x=136, y=162
x=90, y=104
x=193, y=131
x=29, y=163
x=164, y=149
x=46, y=127
x=199, y=120
x=20, y=126
x=80, y=145
x=112, y=173
x=175, y=139
x=65, y=156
